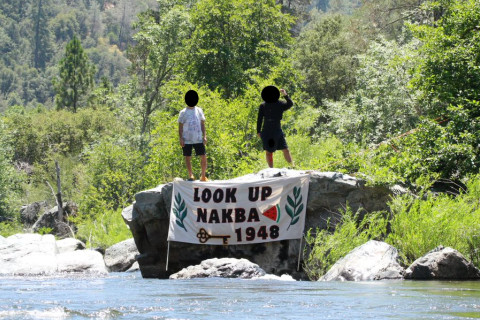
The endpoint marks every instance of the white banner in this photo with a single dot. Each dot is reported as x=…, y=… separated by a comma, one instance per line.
x=238, y=212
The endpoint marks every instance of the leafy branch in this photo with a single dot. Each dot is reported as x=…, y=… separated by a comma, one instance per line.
x=180, y=211
x=294, y=207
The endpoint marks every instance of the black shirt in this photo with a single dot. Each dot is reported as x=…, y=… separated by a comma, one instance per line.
x=272, y=112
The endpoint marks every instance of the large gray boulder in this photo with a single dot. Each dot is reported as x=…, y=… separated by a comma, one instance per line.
x=35, y=254
x=121, y=256
x=442, y=264
x=373, y=260
x=329, y=194
x=223, y=268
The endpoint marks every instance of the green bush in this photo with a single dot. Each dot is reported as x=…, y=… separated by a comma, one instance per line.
x=421, y=224
x=9, y=179
x=102, y=230
x=39, y=132
x=8, y=229
x=114, y=174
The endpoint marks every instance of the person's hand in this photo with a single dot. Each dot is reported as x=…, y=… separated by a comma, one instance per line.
x=258, y=134
x=283, y=92
x=205, y=140
x=182, y=142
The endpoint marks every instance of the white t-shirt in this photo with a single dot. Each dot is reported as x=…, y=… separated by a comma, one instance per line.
x=191, y=119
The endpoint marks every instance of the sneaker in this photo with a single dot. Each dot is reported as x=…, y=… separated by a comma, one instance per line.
x=192, y=178
x=204, y=179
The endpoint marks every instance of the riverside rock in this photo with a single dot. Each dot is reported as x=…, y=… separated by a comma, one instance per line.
x=35, y=254
x=442, y=264
x=223, y=268
x=29, y=213
x=328, y=195
x=374, y=260
x=50, y=220
x=121, y=256
x=69, y=244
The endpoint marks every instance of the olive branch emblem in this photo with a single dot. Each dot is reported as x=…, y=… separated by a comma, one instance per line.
x=294, y=207
x=180, y=211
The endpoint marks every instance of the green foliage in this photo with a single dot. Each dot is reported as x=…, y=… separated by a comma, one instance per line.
x=325, y=55
x=45, y=230
x=381, y=104
x=37, y=133
x=114, y=174
x=9, y=180
x=156, y=55
x=327, y=247
x=76, y=76
x=10, y=228
x=103, y=230
x=421, y=224
x=448, y=71
x=233, y=40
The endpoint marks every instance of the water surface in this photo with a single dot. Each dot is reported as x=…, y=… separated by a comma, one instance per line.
x=129, y=296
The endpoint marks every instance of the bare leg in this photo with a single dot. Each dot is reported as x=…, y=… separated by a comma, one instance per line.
x=269, y=157
x=288, y=157
x=188, y=163
x=203, y=163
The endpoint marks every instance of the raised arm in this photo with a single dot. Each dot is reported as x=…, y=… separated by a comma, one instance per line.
x=287, y=105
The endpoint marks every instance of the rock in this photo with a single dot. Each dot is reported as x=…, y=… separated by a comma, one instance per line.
x=70, y=244
x=30, y=213
x=223, y=268
x=82, y=261
x=442, y=264
x=121, y=256
x=35, y=254
x=134, y=268
x=50, y=221
x=329, y=193
x=28, y=254
x=373, y=260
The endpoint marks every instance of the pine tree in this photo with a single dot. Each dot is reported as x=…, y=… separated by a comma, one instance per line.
x=76, y=76
x=41, y=44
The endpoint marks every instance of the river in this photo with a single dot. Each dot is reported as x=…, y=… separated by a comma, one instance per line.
x=129, y=296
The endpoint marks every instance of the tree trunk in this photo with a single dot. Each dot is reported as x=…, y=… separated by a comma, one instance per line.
x=59, y=193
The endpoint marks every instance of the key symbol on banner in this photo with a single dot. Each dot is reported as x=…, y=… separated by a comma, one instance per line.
x=203, y=236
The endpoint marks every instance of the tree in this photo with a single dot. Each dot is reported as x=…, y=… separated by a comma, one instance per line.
x=159, y=40
x=41, y=38
x=382, y=103
x=76, y=76
x=326, y=58
x=448, y=71
x=235, y=40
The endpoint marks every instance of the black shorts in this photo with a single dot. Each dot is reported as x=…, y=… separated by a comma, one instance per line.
x=199, y=149
x=273, y=140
